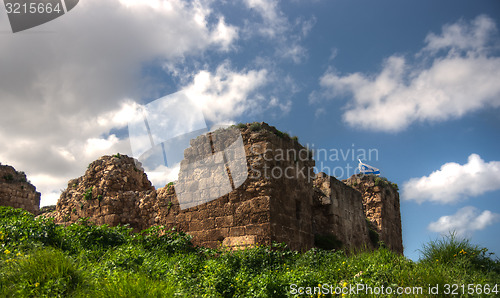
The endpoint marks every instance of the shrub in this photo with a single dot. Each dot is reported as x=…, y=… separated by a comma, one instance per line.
x=279, y=133
x=282, y=135
x=452, y=249
x=159, y=238
x=85, y=235
x=241, y=125
x=255, y=126
x=295, y=138
x=8, y=177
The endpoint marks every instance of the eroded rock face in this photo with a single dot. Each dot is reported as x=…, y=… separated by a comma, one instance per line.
x=381, y=207
x=16, y=191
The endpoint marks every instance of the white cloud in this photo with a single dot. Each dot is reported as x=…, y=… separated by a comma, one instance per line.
x=462, y=36
x=464, y=222
x=227, y=94
x=94, y=146
x=437, y=88
x=274, y=22
x=162, y=175
x=454, y=182
x=277, y=27
x=63, y=90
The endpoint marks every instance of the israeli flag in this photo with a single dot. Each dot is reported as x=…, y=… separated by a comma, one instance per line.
x=367, y=169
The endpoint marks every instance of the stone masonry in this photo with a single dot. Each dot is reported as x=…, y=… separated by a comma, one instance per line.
x=381, y=207
x=16, y=191
x=339, y=211
x=279, y=198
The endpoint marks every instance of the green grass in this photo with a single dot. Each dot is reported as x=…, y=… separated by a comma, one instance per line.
x=41, y=259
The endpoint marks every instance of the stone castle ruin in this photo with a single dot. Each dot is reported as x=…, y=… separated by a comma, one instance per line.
x=277, y=198
x=16, y=191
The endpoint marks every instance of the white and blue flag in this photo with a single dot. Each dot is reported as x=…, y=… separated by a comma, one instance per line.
x=367, y=169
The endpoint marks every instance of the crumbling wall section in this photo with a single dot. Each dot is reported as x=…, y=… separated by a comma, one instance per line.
x=381, y=207
x=110, y=193
x=338, y=210
x=16, y=191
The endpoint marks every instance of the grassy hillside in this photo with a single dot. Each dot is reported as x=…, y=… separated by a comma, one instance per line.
x=41, y=259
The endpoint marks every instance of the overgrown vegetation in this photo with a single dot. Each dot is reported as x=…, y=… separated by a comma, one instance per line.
x=41, y=259
x=88, y=193
x=382, y=181
x=241, y=125
x=8, y=177
x=255, y=126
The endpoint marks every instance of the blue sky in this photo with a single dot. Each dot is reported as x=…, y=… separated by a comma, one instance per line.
x=415, y=80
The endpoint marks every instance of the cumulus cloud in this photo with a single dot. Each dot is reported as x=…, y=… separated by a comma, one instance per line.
x=454, y=74
x=454, y=182
x=227, y=94
x=70, y=84
x=464, y=222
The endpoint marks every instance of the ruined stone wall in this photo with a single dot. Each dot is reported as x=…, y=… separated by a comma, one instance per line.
x=338, y=210
x=267, y=207
x=381, y=207
x=109, y=193
x=286, y=169
x=274, y=198
x=16, y=191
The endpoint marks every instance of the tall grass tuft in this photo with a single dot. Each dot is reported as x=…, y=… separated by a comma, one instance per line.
x=45, y=272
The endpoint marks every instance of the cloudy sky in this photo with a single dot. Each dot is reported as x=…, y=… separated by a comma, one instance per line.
x=415, y=81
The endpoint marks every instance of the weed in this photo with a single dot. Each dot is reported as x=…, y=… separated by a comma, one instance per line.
x=255, y=126
x=88, y=193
